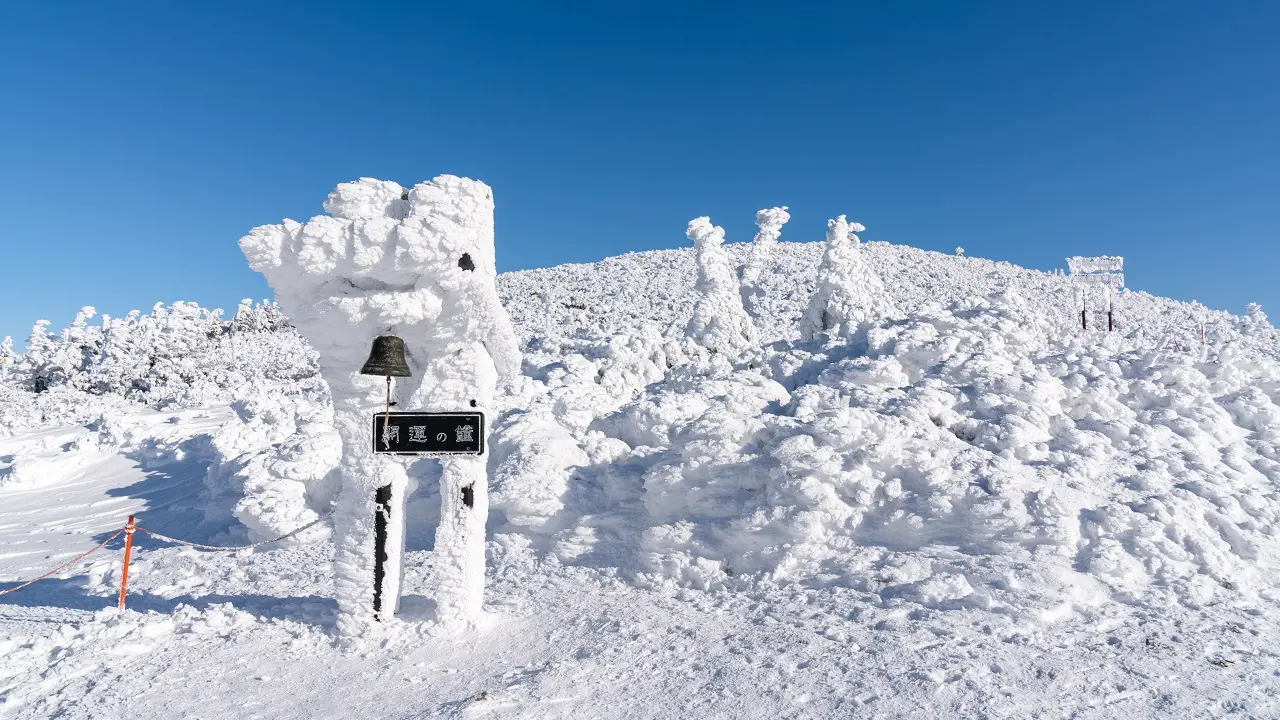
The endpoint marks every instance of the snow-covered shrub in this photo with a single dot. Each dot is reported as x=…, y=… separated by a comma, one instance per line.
x=273, y=465
x=719, y=322
x=178, y=355
x=1257, y=318
x=962, y=426
x=533, y=457
x=850, y=293
x=769, y=224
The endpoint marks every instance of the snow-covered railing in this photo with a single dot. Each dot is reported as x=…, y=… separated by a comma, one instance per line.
x=128, y=531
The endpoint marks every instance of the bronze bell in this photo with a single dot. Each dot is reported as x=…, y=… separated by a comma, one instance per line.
x=386, y=359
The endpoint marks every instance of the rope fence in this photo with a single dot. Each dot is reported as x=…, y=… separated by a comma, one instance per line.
x=66, y=564
x=235, y=548
x=128, y=532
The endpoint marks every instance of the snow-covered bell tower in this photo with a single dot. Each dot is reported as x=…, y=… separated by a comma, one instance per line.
x=418, y=264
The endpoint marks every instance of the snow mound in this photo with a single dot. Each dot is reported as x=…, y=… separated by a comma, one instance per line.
x=966, y=448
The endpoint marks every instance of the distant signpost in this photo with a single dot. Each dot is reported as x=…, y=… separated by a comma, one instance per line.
x=428, y=433
x=1105, y=272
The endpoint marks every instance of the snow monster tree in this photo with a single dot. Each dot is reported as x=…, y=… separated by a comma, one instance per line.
x=850, y=294
x=419, y=264
x=719, y=323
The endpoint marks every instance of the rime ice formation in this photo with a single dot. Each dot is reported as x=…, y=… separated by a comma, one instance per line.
x=719, y=322
x=850, y=293
x=769, y=224
x=1253, y=312
x=419, y=264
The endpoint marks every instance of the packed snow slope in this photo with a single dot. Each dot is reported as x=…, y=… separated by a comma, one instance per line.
x=971, y=508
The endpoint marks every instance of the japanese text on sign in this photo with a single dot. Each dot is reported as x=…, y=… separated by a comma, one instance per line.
x=442, y=433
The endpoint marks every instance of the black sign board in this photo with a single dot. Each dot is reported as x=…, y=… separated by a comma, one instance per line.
x=427, y=433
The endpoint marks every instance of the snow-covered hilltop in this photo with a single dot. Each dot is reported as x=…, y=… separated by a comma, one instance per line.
x=979, y=450
x=950, y=481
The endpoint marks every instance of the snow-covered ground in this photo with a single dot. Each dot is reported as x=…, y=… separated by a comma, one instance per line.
x=970, y=509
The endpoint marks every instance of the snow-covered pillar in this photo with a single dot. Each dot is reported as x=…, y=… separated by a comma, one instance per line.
x=849, y=291
x=472, y=348
x=418, y=264
x=719, y=322
x=769, y=224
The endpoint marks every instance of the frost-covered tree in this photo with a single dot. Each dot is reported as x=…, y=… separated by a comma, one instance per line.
x=268, y=317
x=121, y=366
x=179, y=339
x=80, y=347
x=959, y=252
x=242, y=321
x=769, y=224
x=39, y=366
x=7, y=357
x=719, y=322
x=162, y=358
x=1257, y=318
x=849, y=293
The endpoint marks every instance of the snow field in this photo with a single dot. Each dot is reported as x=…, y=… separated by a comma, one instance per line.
x=965, y=507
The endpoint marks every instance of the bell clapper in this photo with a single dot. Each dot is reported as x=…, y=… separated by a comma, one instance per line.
x=386, y=419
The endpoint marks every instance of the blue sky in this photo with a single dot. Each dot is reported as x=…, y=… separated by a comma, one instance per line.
x=139, y=141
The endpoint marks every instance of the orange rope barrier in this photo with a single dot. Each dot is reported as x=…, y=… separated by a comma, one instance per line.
x=217, y=548
x=128, y=531
x=70, y=562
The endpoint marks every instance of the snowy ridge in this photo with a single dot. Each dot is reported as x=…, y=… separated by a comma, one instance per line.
x=655, y=288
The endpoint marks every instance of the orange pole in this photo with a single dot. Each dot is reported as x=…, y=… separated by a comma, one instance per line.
x=128, y=550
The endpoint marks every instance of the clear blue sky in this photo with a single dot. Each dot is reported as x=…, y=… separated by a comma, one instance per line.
x=138, y=142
